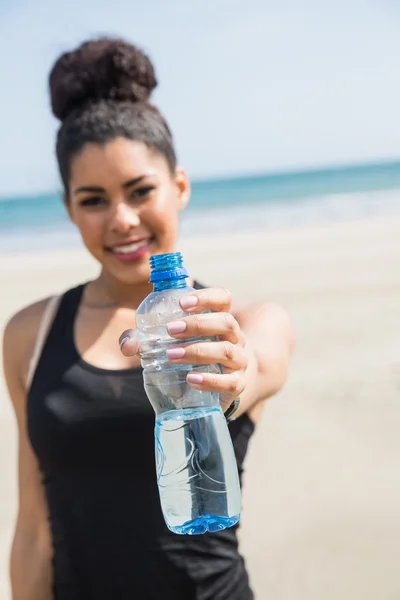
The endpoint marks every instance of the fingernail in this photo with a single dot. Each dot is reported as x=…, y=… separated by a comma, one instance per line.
x=189, y=301
x=176, y=352
x=176, y=327
x=124, y=340
x=194, y=378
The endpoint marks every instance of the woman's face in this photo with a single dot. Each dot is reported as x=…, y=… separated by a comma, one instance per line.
x=125, y=202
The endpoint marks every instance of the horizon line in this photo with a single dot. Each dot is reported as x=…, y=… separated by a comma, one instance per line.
x=276, y=173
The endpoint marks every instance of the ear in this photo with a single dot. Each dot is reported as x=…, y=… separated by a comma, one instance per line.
x=183, y=187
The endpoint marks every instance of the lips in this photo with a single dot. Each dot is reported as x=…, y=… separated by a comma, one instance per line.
x=130, y=251
x=129, y=248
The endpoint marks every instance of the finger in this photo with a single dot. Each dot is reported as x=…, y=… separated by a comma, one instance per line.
x=129, y=343
x=215, y=299
x=209, y=353
x=229, y=386
x=223, y=325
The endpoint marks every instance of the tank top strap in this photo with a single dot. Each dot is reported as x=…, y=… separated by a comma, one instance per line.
x=63, y=323
x=59, y=335
x=48, y=316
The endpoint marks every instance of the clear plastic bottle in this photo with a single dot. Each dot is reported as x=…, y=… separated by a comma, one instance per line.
x=196, y=467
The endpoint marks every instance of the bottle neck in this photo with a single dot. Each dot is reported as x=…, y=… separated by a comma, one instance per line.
x=169, y=284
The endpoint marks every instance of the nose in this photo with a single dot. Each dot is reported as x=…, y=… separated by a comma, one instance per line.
x=124, y=218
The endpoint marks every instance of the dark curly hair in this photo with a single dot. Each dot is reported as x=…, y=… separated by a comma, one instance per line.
x=100, y=91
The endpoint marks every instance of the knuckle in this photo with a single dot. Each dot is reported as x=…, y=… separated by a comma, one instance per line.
x=228, y=294
x=214, y=380
x=230, y=322
x=239, y=385
x=229, y=351
x=195, y=350
x=195, y=322
x=234, y=385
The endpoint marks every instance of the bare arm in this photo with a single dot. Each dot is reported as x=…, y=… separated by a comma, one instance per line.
x=270, y=340
x=254, y=347
x=30, y=561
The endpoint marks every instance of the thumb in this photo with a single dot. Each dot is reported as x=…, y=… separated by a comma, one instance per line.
x=129, y=343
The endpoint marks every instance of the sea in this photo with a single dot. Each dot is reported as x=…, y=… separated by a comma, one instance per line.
x=227, y=205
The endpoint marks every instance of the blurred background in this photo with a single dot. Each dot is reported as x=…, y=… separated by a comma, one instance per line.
x=286, y=118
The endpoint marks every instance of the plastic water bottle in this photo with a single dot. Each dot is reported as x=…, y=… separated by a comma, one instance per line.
x=196, y=467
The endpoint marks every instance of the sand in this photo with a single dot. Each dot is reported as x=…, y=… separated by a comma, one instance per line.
x=321, y=514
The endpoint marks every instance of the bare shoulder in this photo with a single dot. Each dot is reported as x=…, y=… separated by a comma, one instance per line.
x=19, y=338
x=25, y=323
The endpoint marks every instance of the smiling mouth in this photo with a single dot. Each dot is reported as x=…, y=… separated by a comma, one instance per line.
x=130, y=248
x=131, y=251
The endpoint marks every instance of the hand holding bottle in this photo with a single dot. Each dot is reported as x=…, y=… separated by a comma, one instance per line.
x=229, y=350
x=185, y=383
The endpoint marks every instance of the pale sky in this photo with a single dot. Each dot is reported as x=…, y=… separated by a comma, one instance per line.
x=247, y=85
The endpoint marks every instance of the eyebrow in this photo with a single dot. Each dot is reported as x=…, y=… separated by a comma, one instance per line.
x=94, y=189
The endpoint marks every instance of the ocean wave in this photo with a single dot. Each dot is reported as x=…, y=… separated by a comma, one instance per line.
x=292, y=213
x=277, y=214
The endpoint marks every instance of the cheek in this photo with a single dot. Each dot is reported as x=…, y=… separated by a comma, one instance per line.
x=162, y=217
x=91, y=228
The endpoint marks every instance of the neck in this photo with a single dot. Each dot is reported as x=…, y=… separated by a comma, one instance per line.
x=106, y=291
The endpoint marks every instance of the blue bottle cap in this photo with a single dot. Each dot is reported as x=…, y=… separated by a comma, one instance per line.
x=167, y=266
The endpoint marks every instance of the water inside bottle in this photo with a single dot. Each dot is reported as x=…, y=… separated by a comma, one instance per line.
x=196, y=471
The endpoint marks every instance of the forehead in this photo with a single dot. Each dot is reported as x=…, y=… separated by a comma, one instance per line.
x=116, y=160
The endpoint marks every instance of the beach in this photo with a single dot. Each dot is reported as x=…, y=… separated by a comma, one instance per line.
x=322, y=486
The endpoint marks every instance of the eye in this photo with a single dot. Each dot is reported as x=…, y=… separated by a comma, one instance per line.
x=92, y=201
x=142, y=192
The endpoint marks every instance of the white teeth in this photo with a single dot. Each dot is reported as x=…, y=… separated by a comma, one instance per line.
x=129, y=248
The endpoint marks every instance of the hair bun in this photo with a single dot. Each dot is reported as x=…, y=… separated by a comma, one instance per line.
x=102, y=69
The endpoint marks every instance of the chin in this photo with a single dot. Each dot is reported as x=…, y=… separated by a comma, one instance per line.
x=134, y=279
x=130, y=273
x=130, y=270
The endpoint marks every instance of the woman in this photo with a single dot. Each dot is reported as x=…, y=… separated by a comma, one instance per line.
x=89, y=523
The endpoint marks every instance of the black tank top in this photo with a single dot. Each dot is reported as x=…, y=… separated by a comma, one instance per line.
x=92, y=430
